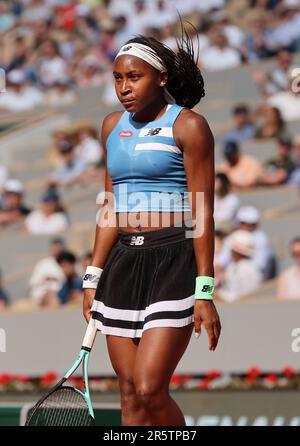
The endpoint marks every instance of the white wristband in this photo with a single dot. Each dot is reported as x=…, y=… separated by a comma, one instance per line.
x=91, y=277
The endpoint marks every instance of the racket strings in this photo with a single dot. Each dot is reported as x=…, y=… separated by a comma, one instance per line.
x=64, y=407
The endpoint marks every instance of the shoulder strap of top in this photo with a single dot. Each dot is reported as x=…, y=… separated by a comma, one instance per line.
x=172, y=114
x=121, y=124
x=124, y=118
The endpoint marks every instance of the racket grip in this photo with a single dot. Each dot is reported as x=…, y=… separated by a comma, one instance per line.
x=89, y=336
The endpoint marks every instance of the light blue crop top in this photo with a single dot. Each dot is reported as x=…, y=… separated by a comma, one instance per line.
x=146, y=166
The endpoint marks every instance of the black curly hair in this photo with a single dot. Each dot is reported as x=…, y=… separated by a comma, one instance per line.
x=185, y=82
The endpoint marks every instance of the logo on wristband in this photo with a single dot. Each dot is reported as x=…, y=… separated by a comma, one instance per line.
x=90, y=277
x=207, y=289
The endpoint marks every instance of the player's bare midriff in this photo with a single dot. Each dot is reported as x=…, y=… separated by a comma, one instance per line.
x=135, y=221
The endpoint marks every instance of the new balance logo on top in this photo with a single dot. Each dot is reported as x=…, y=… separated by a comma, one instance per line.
x=153, y=132
x=207, y=289
x=156, y=131
x=137, y=240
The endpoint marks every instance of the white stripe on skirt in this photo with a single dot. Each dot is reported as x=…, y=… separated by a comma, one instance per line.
x=128, y=333
x=140, y=315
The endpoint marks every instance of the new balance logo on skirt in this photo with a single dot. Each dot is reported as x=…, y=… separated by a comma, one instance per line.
x=139, y=240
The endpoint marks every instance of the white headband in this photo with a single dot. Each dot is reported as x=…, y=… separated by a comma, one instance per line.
x=147, y=54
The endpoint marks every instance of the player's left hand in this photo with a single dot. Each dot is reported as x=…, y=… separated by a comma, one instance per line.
x=205, y=313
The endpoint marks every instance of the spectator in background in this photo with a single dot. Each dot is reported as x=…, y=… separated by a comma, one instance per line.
x=107, y=46
x=287, y=31
x=47, y=276
x=64, y=134
x=71, y=289
x=288, y=284
x=198, y=35
x=288, y=102
x=244, y=128
x=88, y=148
x=49, y=219
x=123, y=31
x=61, y=94
x=242, y=276
x=248, y=219
x=226, y=203
x=235, y=35
x=163, y=15
x=243, y=171
x=219, y=56
x=19, y=97
x=12, y=207
x=90, y=73
x=72, y=169
x=273, y=125
x=254, y=47
x=277, y=80
x=139, y=17
x=19, y=54
x=41, y=30
x=168, y=33
x=52, y=65
x=279, y=169
x=4, y=298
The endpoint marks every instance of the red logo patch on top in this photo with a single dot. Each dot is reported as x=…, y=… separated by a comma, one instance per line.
x=125, y=133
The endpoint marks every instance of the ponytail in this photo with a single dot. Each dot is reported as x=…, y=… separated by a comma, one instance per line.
x=185, y=82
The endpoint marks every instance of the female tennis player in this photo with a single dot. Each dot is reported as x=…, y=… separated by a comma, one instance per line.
x=149, y=284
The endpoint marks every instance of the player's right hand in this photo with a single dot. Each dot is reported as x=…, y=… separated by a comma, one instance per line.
x=88, y=298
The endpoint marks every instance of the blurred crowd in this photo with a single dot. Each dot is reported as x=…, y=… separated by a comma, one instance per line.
x=56, y=279
x=49, y=48
x=77, y=158
x=52, y=48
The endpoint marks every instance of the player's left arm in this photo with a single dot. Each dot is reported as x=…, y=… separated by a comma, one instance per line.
x=193, y=135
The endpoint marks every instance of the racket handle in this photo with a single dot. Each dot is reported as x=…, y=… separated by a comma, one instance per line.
x=89, y=336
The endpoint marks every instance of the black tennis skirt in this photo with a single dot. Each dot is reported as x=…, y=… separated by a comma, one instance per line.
x=148, y=281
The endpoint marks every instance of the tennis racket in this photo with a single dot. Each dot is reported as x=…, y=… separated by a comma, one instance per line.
x=67, y=405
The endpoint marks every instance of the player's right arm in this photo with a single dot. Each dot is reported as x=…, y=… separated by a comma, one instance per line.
x=105, y=235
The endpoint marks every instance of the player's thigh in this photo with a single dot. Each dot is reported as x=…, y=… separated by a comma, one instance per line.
x=158, y=354
x=122, y=352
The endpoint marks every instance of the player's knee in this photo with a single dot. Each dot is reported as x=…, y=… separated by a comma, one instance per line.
x=126, y=386
x=127, y=391
x=149, y=393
